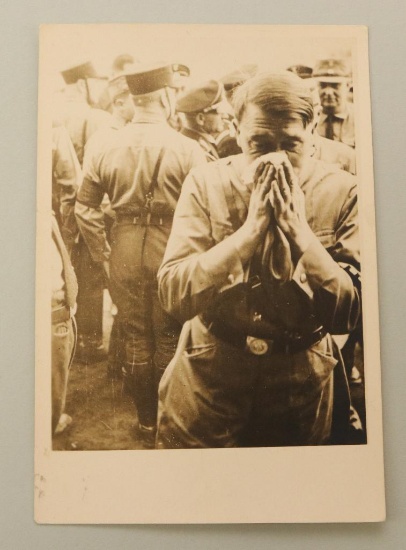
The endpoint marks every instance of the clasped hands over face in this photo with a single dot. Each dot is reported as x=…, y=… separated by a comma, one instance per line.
x=277, y=190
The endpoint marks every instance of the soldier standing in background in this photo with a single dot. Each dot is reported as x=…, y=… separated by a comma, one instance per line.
x=227, y=141
x=337, y=119
x=142, y=170
x=79, y=116
x=205, y=111
x=122, y=112
x=82, y=120
x=327, y=150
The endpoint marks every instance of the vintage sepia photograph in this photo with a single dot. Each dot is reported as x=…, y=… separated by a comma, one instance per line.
x=201, y=199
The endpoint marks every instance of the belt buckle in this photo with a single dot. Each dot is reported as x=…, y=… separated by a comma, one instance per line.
x=257, y=346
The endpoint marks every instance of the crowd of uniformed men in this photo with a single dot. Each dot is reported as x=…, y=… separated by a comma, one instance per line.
x=222, y=217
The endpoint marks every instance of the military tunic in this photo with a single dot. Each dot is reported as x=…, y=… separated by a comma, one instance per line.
x=214, y=394
x=343, y=125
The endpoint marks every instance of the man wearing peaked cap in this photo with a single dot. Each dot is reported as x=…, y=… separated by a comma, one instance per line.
x=227, y=141
x=328, y=150
x=337, y=121
x=79, y=115
x=142, y=169
x=81, y=119
x=205, y=110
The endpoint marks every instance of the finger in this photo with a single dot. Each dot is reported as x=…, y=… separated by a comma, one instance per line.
x=258, y=171
x=283, y=185
x=263, y=175
x=269, y=177
x=275, y=197
x=289, y=173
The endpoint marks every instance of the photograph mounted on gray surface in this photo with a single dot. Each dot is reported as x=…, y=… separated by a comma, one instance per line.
x=207, y=244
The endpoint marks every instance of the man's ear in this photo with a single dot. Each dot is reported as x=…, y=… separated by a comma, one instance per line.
x=199, y=119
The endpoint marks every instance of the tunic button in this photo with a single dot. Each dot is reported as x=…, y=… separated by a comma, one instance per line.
x=257, y=346
x=303, y=277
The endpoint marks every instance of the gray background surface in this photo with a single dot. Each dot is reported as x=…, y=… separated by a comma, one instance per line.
x=19, y=47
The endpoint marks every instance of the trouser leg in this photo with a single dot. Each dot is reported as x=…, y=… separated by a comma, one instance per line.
x=116, y=353
x=63, y=343
x=89, y=315
x=132, y=295
x=141, y=380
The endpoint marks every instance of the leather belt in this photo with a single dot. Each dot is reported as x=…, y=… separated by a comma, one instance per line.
x=144, y=219
x=61, y=314
x=286, y=342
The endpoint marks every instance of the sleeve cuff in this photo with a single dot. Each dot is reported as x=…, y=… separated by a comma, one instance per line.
x=222, y=266
x=314, y=269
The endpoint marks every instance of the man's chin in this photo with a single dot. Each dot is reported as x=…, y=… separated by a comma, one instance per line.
x=330, y=106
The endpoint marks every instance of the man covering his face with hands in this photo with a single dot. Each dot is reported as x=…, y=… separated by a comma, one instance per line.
x=262, y=265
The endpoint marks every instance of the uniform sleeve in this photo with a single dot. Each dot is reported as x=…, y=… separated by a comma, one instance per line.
x=332, y=279
x=88, y=211
x=67, y=176
x=195, y=269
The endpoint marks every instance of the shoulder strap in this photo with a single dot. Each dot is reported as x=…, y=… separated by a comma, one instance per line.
x=154, y=180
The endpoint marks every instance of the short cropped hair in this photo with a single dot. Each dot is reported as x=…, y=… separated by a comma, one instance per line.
x=280, y=95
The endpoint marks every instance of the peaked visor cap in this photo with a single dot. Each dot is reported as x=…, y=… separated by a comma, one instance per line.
x=331, y=70
x=201, y=98
x=146, y=81
x=78, y=72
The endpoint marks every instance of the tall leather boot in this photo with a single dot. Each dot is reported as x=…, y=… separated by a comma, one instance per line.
x=145, y=399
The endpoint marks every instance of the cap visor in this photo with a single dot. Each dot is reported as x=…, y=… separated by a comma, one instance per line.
x=332, y=79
